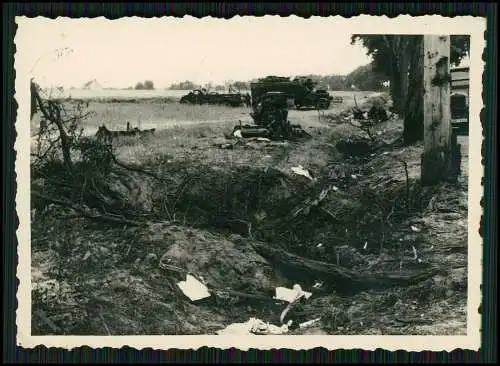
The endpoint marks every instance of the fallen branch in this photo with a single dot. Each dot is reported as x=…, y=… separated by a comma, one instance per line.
x=41, y=314
x=104, y=321
x=136, y=169
x=342, y=279
x=86, y=213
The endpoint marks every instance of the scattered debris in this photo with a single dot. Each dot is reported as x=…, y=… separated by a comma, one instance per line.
x=250, y=131
x=300, y=170
x=309, y=323
x=291, y=295
x=193, y=289
x=183, y=243
x=306, y=206
x=415, y=229
x=254, y=326
x=415, y=255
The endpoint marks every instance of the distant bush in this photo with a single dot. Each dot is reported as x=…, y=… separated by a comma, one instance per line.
x=147, y=85
x=184, y=85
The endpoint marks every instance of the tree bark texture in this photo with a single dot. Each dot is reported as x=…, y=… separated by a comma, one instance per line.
x=439, y=151
x=404, y=62
x=414, y=115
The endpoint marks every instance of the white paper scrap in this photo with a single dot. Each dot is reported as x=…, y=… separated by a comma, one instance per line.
x=193, y=288
x=291, y=295
x=300, y=170
x=309, y=323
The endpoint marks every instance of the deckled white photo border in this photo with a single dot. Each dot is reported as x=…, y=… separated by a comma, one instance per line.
x=364, y=24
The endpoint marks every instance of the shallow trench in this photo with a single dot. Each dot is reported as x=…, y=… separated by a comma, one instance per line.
x=212, y=215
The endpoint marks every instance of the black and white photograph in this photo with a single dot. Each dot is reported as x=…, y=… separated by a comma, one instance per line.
x=226, y=178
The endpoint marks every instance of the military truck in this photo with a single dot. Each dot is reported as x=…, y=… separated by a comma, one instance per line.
x=200, y=96
x=300, y=92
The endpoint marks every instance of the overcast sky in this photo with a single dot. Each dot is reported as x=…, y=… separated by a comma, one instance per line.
x=122, y=52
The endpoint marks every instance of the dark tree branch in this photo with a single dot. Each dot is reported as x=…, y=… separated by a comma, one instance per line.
x=86, y=213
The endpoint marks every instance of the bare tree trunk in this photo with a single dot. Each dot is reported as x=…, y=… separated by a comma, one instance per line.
x=438, y=158
x=395, y=89
x=414, y=114
x=52, y=113
x=395, y=86
x=399, y=74
x=404, y=61
x=33, y=98
x=65, y=140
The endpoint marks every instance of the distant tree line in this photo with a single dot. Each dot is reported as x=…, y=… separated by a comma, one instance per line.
x=190, y=85
x=184, y=85
x=363, y=78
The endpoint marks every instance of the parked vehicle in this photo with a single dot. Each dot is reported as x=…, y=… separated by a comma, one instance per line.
x=459, y=100
x=459, y=113
x=199, y=96
x=301, y=92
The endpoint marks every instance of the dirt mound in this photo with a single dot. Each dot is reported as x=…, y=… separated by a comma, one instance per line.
x=221, y=261
x=115, y=278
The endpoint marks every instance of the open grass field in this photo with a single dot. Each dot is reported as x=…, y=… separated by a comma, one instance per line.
x=227, y=214
x=149, y=110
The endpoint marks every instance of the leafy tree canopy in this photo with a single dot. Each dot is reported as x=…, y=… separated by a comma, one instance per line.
x=382, y=47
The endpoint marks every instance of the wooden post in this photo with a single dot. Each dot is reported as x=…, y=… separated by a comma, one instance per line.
x=439, y=153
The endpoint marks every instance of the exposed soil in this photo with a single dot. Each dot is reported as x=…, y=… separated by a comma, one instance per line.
x=399, y=250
